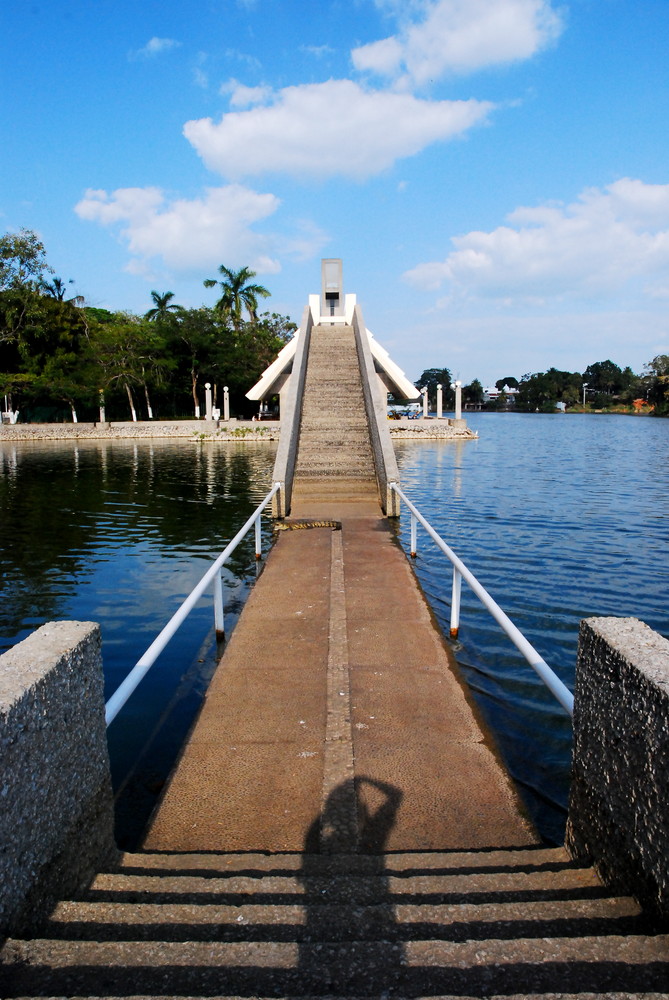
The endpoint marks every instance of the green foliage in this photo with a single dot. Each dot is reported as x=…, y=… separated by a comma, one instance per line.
x=163, y=308
x=99, y=315
x=23, y=262
x=657, y=384
x=237, y=293
x=55, y=350
x=509, y=381
x=472, y=393
x=542, y=390
x=430, y=379
x=607, y=377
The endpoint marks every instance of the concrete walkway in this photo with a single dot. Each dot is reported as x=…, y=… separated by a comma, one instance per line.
x=335, y=721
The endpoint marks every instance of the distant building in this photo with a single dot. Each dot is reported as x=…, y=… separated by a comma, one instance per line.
x=492, y=393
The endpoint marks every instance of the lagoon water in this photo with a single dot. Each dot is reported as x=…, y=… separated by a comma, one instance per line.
x=561, y=517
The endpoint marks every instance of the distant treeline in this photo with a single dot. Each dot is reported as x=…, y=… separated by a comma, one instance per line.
x=602, y=386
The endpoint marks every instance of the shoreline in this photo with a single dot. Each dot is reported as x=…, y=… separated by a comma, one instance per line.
x=246, y=431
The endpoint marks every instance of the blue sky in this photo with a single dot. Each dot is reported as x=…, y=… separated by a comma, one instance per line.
x=494, y=173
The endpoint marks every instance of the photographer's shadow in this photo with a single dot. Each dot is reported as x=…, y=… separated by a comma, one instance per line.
x=350, y=935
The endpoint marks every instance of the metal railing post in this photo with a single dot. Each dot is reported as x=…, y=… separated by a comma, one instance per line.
x=455, y=603
x=213, y=575
x=219, y=614
x=557, y=687
x=414, y=534
x=258, y=538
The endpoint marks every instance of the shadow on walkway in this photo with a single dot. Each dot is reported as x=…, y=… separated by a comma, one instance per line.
x=350, y=933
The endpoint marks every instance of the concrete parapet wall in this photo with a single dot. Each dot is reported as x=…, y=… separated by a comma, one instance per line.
x=619, y=801
x=56, y=807
x=385, y=461
x=286, y=455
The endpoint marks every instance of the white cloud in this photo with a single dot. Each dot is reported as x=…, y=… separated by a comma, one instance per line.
x=188, y=235
x=154, y=47
x=460, y=36
x=607, y=242
x=326, y=129
x=252, y=62
x=242, y=96
x=318, y=51
x=307, y=242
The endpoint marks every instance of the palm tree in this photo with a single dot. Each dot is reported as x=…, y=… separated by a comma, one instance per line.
x=163, y=308
x=56, y=290
x=237, y=293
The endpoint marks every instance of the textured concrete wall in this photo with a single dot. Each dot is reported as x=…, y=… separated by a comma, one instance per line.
x=619, y=802
x=56, y=809
x=291, y=415
x=374, y=392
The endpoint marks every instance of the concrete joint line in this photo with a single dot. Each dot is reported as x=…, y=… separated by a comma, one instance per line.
x=339, y=819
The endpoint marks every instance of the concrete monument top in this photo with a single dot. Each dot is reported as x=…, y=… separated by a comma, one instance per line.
x=332, y=307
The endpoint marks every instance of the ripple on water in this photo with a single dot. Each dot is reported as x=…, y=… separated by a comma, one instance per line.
x=560, y=518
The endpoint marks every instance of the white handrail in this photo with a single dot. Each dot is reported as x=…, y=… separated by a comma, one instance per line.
x=547, y=675
x=126, y=688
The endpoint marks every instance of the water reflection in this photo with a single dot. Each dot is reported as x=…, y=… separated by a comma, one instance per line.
x=119, y=534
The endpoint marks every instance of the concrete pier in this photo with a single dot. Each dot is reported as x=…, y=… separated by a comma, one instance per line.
x=336, y=702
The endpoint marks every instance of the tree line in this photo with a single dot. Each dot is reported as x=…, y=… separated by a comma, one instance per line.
x=603, y=385
x=61, y=359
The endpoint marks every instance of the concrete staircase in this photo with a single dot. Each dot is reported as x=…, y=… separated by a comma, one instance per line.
x=334, y=456
x=469, y=924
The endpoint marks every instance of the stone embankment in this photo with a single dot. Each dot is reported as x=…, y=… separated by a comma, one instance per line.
x=212, y=430
x=435, y=428
x=194, y=430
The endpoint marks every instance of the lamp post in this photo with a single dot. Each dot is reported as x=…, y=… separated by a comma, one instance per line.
x=440, y=401
x=585, y=386
x=457, y=387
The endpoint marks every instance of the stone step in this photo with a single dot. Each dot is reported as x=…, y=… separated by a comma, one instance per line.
x=405, y=863
x=326, y=476
x=414, y=968
x=337, y=412
x=337, y=451
x=336, y=922
x=344, y=436
x=334, y=444
x=330, y=398
x=335, y=462
x=336, y=488
x=352, y=471
x=348, y=423
x=482, y=886
x=325, y=448
x=327, y=402
x=340, y=444
x=466, y=924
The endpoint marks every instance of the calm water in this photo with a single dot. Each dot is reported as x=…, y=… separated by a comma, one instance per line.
x=560, y=517
x=119, y=534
